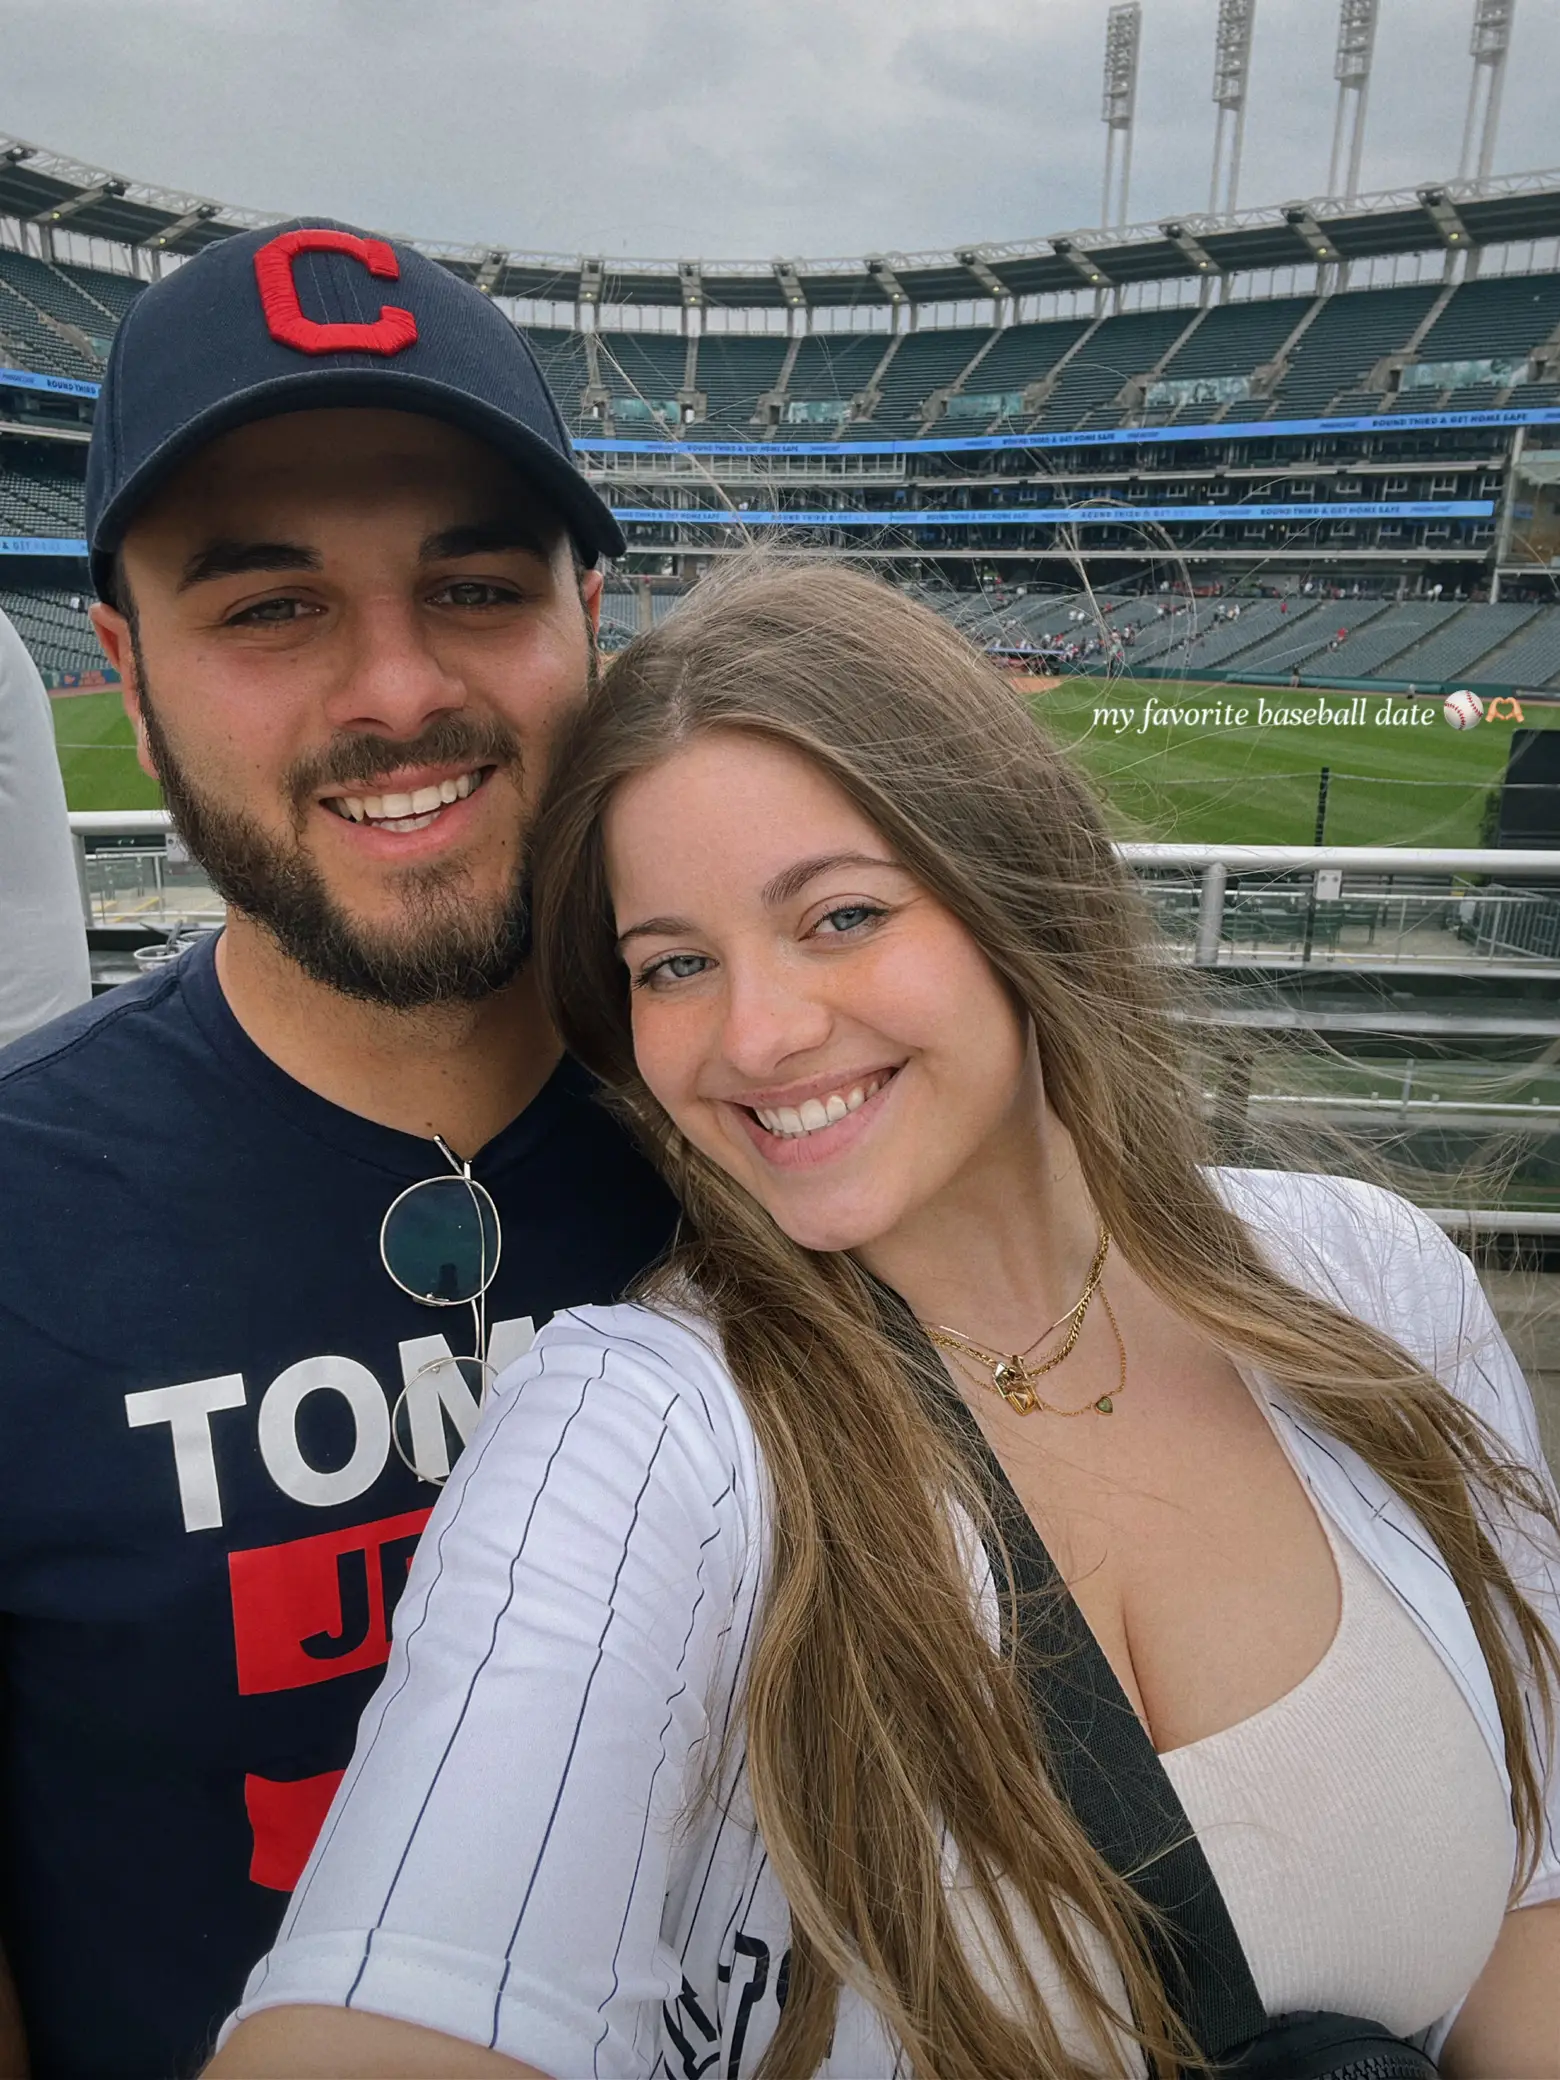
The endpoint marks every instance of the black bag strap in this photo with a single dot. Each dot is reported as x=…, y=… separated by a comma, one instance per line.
x=1106, y=1766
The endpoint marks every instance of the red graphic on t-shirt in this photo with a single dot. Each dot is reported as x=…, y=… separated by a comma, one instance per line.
x=319, y=1607
x=285, y=1818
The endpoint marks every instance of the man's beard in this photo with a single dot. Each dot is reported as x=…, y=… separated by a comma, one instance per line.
x=449, y=949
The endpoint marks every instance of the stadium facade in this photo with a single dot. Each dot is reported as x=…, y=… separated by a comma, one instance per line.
x=1281, y=405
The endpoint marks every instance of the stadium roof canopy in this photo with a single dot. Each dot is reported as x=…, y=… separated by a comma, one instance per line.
x=42, y=188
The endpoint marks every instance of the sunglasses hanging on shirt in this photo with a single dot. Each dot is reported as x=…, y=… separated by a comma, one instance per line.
x=440, y=1242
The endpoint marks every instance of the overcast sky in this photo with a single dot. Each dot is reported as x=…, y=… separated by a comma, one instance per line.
x=727, y=128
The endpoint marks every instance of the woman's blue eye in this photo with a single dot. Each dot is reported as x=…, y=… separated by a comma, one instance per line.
x=676, y=967
x=848, y=918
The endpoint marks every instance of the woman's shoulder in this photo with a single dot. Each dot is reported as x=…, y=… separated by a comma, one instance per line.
x=1378, y=1257
x=662, y=1361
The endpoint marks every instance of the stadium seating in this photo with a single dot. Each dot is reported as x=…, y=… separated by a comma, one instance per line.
x=830, y=369
x=1020, y=355
x=734, y=372
x=1233, y=339
x=117, y=292
x=52, y=291
x=1531, y=658
x=1505, y=315
x=1118, y=350
x=1457, y=645
x=923, y=362
x=1341, y=346
x=642, y=373
x=1266, y=623
x=39, y=496
x=53, y=624
x=28, y=340
x=1369, y=648
x=563, y=363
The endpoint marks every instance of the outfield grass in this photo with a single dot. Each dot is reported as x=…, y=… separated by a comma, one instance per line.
x=1423, y=785
x=97, y=754
x=1390, y=785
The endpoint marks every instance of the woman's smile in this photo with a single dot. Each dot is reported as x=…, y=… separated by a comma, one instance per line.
x=804, y=1011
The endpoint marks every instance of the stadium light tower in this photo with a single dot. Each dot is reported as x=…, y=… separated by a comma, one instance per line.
x=1489, y=44
x=1231, y=69
x=1351, y=69
x=1123, y=35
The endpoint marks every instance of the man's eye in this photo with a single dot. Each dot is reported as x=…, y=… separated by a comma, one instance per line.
x=268, y=613
x=476, y=592
x=672, y=967
x=849, y=917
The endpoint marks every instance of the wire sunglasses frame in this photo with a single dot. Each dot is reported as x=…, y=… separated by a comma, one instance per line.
x=440, y=1242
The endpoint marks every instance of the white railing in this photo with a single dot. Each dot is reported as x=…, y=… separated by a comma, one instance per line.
x=1403, y=905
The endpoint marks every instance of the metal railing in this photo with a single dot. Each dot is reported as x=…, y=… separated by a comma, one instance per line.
x=1308, y=905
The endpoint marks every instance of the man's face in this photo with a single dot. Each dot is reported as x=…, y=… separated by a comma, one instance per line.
x=355, y=633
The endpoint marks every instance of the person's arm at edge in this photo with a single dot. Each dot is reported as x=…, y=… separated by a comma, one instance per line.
x=1509, y=2027
x=345, y=2044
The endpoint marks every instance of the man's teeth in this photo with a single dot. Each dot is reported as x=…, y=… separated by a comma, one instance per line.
x=405, y=812
x=813, y=1114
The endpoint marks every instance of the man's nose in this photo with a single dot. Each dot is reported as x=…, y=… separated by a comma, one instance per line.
x=773, y=1016
x=393, y=682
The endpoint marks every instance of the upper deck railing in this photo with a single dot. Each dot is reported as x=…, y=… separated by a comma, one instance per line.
x=1341, y=906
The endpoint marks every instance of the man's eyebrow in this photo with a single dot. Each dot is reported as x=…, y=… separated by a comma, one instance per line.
x=227, y=557
x=485, y=538
x=781, y=889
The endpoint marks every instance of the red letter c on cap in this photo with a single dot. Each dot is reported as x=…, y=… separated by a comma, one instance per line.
x=392, y=330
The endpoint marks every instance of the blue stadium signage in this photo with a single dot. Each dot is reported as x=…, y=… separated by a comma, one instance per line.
x=41, y=545
x=61, y=386
x=1059, y=515
x=986, y=443
x=1099, y=437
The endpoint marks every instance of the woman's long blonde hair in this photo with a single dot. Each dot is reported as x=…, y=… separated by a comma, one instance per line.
x=881, y=1729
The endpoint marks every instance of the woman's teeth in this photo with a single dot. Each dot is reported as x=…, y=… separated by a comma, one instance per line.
x=405, y=812
x=814, y=1114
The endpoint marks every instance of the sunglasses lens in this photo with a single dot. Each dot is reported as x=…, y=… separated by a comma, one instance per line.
x=440, y=1240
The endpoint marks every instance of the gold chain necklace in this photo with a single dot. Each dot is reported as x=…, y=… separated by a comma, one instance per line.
x=1013, y=1377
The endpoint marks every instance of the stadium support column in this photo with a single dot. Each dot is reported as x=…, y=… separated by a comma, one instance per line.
x=1351, y=69
x=1123, y=35
x=1231, y=70
x=1488, y=46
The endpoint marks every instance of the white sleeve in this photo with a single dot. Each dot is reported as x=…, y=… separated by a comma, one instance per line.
x=1444, y=1316
x=43, y=936
x=496, y=1861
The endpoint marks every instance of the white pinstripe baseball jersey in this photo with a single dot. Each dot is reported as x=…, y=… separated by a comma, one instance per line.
x=519, y=1854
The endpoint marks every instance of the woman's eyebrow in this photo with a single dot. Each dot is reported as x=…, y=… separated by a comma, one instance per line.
x=794, y=879
x=787, y=884
x=656, y=928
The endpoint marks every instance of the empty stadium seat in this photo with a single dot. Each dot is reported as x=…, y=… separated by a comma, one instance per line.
x=1348, y=337
x=734, y=372
x=56, y=632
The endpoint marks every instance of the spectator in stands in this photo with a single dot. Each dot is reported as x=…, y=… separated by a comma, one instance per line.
x=43, y=936
x=351, y=589
x=742, y=1775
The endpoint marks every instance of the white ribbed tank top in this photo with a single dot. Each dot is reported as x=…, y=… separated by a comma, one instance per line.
x=1357, y=1826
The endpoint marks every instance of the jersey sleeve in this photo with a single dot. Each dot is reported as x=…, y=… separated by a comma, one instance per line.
x=1444, y=1316
x=497, y=1859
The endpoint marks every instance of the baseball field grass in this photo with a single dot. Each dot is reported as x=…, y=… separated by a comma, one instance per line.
x=1227, y=764
x=1170, y=761
x=97, y=754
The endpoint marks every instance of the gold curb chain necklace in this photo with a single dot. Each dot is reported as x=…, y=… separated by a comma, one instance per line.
x=1013, y=1375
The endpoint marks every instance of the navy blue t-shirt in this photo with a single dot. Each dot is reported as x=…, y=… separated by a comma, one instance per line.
x=204, y=1525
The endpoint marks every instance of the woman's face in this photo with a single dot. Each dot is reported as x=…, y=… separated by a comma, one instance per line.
x=806, y=1013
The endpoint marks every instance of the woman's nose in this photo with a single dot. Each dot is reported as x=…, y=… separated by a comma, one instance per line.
x=770, y=1018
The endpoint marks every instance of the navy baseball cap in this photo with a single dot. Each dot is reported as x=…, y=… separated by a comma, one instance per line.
x=306, y=315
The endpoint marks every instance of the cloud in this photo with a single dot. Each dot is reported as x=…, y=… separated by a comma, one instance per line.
x=699, y=127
